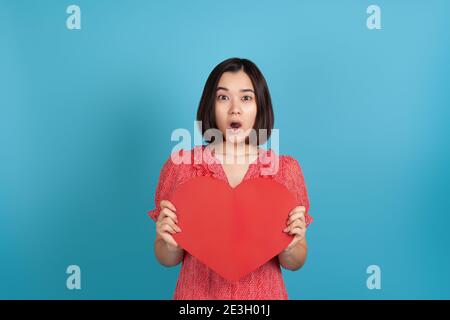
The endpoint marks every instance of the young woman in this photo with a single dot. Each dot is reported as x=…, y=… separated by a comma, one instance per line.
x=235, y=101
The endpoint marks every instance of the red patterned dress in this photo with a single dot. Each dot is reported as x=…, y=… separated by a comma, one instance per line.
x=198, y=282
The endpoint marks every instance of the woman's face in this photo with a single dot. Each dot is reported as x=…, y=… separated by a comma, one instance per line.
x=235, y=107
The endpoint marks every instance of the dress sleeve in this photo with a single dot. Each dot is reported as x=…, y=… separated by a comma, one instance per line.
x=165, y=184
x=298, y=186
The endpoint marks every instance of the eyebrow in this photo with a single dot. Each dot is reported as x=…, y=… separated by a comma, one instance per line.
x=242, y=90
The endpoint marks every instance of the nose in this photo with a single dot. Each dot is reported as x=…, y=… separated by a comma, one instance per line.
x=235, y=108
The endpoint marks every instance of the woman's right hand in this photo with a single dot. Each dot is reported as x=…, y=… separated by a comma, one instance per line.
x=166, y=225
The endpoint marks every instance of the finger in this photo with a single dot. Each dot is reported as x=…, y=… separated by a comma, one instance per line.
x=167, y=204
x=295, y=224
x=297, y=209
x=170, y=240
x=299, y=223
x=297, y=231
x=164, y=228
x=168, y=213
x=171, y=223
x=299, y=215
x=167, y=228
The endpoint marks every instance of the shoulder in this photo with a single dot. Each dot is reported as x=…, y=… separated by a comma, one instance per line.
x=286, y=162
x=290, y=167
x=278, y=165
x=181, y=160
x=289, y=161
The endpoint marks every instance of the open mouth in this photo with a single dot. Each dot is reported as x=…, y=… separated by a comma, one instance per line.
x=235, y=126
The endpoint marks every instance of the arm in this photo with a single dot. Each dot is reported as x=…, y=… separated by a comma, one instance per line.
x=167, y=254
x=167, y=251
x=295, y=257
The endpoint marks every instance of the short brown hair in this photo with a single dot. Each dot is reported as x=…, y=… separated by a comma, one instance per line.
x=264, y=114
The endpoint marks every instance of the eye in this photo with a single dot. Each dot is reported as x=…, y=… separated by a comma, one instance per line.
x=247, y=98
x=222, y=97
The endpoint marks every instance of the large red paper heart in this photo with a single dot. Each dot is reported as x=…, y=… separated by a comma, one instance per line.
x=232, y=230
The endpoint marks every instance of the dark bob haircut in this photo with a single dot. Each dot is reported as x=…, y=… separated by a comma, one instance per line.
x=264, y=114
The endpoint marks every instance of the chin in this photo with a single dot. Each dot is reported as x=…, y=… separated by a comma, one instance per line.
x=235, y=139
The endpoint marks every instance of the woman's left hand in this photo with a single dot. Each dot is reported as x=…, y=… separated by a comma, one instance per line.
x=296, y=225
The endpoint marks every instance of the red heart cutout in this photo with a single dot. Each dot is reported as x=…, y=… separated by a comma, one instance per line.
x=232, y=230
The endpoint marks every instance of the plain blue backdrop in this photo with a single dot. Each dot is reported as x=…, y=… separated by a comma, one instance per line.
x=86, y=117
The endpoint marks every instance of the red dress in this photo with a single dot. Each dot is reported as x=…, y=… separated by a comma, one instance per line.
x=196, y=281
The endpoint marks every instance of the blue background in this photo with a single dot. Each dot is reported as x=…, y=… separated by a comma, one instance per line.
x=86, y=117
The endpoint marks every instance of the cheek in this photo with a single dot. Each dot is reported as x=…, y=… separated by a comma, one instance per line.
x=251, y=115
x=221, y=117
